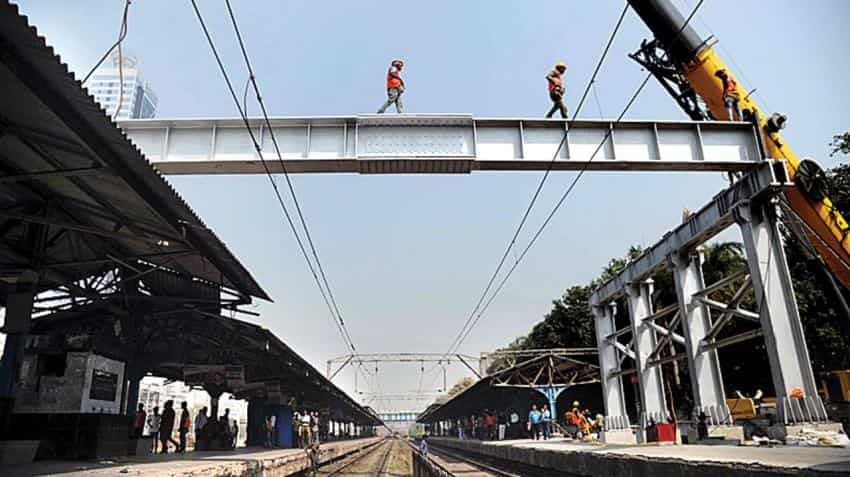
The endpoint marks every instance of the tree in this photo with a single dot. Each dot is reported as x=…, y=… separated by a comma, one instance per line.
x=840, y=144
x=461, y=386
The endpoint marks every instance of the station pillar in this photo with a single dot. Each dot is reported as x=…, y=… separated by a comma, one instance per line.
x=551, y=393
x=17, y=326
x=703, y=364
x=790, y=367
x=653, y=405
x=617, y=427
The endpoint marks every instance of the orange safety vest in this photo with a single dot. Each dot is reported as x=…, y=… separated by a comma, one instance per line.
x=731, y=88
x=392, y=81
x=557, y=83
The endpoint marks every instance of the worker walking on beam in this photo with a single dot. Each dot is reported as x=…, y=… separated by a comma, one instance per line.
x=731, y=96
x=556, y=89
x=395, y=87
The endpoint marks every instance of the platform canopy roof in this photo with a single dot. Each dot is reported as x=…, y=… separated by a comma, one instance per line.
x=76, y=196
x=518, y=383
x=220, y=354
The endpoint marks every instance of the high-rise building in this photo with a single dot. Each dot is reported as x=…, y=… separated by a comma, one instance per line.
x=138, y=100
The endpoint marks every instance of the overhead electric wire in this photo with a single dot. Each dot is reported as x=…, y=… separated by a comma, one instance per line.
x=280, y=200
x=569, y=190
x=542, y=182
x=253, y=80
x=122, y=33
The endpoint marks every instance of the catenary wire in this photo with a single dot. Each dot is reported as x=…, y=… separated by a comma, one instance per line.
x=568, y=191
x=258, y=150
x=542, y=182
x=253, y=80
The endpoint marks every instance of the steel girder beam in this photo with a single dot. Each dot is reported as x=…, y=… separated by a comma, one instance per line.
x=419, y=143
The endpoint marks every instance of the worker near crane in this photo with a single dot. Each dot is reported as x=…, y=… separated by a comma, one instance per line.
x=556, y=89
x=395, y=87
x=731, y=96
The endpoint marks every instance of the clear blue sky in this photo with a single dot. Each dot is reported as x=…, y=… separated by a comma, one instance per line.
x=408, y=255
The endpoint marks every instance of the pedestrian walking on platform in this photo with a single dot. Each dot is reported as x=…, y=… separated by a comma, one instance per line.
x=185, y=424
x=167, y=427
x=395, y=87
x=556, y=89
x=546, y=422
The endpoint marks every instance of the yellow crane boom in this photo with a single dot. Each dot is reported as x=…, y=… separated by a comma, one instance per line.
x=687, y=66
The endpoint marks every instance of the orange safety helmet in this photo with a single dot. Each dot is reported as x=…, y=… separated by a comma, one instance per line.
x=797, y=393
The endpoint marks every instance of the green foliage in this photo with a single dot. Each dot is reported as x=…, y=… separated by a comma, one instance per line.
x=460, y=386
x=569, y=323
x=840, y=143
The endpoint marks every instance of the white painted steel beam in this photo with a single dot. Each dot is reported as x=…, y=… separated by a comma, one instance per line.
x=699, y=228
x=397, y=144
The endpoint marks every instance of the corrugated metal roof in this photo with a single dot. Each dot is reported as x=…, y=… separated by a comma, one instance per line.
x=92, y=177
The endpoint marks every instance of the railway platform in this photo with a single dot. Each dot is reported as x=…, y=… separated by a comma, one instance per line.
x=585, y=459
x=246, y=461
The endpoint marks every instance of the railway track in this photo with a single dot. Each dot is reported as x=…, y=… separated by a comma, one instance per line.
x=455, y=463
x=373, y=461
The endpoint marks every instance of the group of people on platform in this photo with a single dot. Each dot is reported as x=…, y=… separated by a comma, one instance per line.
x=539, y=423
x=209, y=432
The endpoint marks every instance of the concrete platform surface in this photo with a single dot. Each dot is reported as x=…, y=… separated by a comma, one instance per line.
x=685, y=460
x=245, y=461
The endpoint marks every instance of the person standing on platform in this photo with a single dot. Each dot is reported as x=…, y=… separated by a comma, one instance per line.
x=546, y=422
x=167, y=426
x=154, y=421
x=139, y=421
x=556, y=89
x=395, y=87
x=185, y=424
x=502, y=421
x=268, y=428
x=535, y=417
x=200, y=422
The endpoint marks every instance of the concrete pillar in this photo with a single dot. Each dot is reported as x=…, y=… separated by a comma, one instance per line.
x=17, y=326
x=790, y=366
x=706, y=378
x=617, y=427
x=214, y=395
x=650, y=379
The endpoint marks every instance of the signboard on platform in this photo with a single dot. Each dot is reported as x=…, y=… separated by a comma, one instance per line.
x=223, y=375
x=104, y=385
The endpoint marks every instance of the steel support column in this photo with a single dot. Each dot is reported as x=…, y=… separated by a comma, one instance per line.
x=704, y=367
x=790, y=366
x=17, y=325
x=650, y=380
x=609, y=366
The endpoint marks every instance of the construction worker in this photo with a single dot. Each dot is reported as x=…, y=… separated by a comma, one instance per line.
x=731, y=96
x=556, y=89
x=395, y=87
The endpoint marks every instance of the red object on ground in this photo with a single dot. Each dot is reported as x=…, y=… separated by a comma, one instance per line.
x=666, y=432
